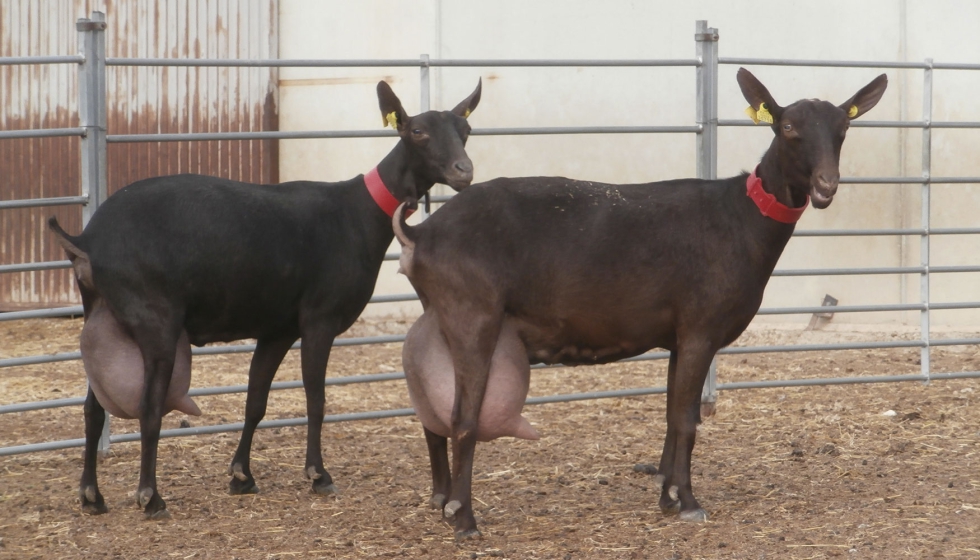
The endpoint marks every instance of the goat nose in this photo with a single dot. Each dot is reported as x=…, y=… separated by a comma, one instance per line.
x=828, y=181
x=464, y=166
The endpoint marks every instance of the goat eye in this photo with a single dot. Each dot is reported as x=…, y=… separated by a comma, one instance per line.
x=787, y=127
x=417, y=131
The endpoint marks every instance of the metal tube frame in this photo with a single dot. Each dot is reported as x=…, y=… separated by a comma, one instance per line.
x=706, y=91
x=92, y=118
x=926, y=192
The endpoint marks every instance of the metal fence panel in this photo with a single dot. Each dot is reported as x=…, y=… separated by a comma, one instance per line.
x=92, y=121
x=41, y=93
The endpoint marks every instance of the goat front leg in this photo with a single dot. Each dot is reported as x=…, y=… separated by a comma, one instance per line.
x=92, y=501
x=668, y=503
x=472, y=345
x=315, y=354
x=683, y=417
x=439, y=463
x=268, y=355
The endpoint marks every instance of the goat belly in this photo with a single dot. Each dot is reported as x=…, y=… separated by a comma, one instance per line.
x=114, y=367
x=432, y=386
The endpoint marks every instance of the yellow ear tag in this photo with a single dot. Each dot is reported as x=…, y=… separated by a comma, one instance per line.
x=853, y=111
x=466, y=115
x=763, y=114
x=392, y=119
x=760, y=115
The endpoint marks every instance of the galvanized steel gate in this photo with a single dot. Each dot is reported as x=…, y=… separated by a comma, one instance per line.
x=138, y=99
x=95, y=138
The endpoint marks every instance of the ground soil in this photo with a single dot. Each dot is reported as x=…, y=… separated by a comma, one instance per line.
x=809, y=472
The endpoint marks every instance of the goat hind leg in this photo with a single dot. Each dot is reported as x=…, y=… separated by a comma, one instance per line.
x=472, y=344
x=265, y=362
x=439, y=463
x=92, y=501
x=159, y=352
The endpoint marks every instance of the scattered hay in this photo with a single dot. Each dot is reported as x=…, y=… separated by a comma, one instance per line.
x=784, y=473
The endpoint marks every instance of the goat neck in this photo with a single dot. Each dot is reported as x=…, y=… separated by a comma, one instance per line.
x=401, y=179
x=783, y=179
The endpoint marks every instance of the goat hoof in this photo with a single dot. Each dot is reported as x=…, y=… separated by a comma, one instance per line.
x=437, y=501
x=97, y=508
x=144, y=496
x=451, y=509
x=153, y=505
x=468, y=534
x=92, y=501
x=158, y=515
x=325, y=490
x=238, y=471
x=694, y=516
x=672, y=507
x=312, y=474
x=238, y=487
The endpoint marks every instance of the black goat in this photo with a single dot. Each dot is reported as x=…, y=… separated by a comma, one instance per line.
x=191, y=259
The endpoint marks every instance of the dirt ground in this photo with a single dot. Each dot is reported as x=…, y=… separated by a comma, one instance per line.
x=810, y=472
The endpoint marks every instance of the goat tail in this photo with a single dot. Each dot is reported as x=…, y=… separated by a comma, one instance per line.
x=66, y=241
x=79, y=258
x=402, y=230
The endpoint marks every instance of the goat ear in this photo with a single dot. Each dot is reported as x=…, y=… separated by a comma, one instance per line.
x=392, y=112
x=467, y=105
x=756, y=93
x=866, y=98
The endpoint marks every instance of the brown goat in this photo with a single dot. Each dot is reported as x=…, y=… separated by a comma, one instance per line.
x=577, y=272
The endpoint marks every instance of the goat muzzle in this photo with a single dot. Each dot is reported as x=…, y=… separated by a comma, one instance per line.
x=823, y=187
x=460, y=174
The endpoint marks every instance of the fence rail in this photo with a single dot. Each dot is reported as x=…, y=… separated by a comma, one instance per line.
x=92, y=64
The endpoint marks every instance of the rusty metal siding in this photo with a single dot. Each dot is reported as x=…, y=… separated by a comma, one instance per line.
x=140, y=100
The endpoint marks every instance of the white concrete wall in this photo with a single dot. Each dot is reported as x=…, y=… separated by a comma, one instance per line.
x=832, y=29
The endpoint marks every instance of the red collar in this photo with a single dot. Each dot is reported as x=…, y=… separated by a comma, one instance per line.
x=381, y=195
x=767, y=203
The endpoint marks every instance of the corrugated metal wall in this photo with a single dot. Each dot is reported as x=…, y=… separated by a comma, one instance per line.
x=140, y=100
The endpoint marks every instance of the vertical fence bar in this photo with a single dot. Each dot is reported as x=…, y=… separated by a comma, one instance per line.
x=926, y=215
x=706, y=41
x=92, y=118
x=92, y=111
x=424, y=100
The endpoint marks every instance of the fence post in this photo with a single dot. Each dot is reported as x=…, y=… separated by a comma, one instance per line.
x=926, y=219
x=424, y=100
x=706, y=41
x=92, y=118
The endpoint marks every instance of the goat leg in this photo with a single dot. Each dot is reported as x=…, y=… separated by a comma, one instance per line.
x=314, y=356
x=472, y=345
x=92, y=501
x=265, y=361
x=439, y=462
x=665, y=473
x=684, y=415
x=158, y=359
